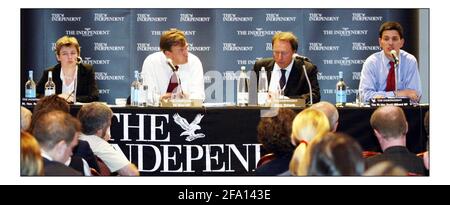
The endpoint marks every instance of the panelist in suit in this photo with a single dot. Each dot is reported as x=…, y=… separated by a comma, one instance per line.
x=185, y=73
x=70, y=74
x=285, y=72
x=378, y=71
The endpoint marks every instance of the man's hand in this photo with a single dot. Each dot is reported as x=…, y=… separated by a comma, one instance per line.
x=411, y=94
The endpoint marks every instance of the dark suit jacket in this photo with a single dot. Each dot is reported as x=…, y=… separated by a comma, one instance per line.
x=399, y=155
x=296, y=85
x=53, y=168
x=84, y=151
x=87, y=90
x=275, y=167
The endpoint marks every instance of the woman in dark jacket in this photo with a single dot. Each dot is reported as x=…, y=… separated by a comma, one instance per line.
x=74, y=81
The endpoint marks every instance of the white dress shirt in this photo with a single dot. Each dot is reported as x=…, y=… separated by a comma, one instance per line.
x=157, y=75
x=276, y=76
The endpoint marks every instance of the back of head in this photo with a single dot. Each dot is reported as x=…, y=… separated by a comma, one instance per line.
x=274, y=132
x=391, y=25
x=48, y=104
x=308, y=124
x=94, y=116
x=53, y=127
x=385, y=168
x=172, y=37
x=334, y=154
x=25, y=118
x=330, y=111
x=31, y=163
x=286, y=36
x=390, y=121
x=52, y=102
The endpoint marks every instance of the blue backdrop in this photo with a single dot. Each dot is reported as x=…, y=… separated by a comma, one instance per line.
x=116, y=41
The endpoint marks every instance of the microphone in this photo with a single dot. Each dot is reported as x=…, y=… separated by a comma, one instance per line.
x=169, y=62
x=297, y=56
x=394, y=55
x=303, y=58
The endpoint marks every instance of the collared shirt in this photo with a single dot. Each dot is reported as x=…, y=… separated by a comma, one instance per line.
x=157, y=75
x=376, y=69
x=276, y=76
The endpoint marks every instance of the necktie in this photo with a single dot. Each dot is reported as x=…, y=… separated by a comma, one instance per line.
x=173, y=83
x=390, y=81
x=283, y=78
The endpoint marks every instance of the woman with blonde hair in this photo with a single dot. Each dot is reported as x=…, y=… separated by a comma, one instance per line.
x=307, y=125
x=31, y=163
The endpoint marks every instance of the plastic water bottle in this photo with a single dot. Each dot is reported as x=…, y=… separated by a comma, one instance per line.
x=144, y=95
x=263, y=87
x=135, y=90
x=242, y=92
x=50, y=85
x=341, y=91
x=30, y=86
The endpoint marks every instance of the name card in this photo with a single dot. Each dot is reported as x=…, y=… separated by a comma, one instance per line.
x=181, y=103
x=300, y=102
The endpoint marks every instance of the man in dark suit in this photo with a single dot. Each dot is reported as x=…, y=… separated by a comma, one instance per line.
x=285, y=72
x=57, y=134
x=390, y=127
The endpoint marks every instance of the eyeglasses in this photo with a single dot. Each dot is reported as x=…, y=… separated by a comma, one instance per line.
x=283, y=53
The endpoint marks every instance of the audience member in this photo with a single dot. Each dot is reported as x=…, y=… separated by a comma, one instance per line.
x=31, y=163
x=307, y=125
x=334, y=154
x=330, y=111
x=385, y=168
x=25, y=118
x=95, y=119
x=274, y=135
x=82, y=152
x=390, y=127
x=57, y=134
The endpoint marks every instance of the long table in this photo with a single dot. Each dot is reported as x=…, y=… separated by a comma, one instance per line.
x=222, y=141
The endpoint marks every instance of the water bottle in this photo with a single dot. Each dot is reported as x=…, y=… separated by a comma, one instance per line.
x=242, y=92
x=30, y=86
x=143, y=96
x=135, y=91
x=262, y=87
x=50, y=85
x=341, y=91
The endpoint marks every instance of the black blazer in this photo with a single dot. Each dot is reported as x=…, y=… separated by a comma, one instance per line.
x=84, y=151
x=53, y=168
x=296, y=85
x=399, y=155
x=87, y=90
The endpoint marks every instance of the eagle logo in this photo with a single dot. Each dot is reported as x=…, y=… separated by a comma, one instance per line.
x=189, y=128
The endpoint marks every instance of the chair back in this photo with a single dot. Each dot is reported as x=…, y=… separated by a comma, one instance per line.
x=265, y=159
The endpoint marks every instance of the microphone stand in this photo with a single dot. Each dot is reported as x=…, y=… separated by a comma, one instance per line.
x=309, y=83
x=306, y=75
